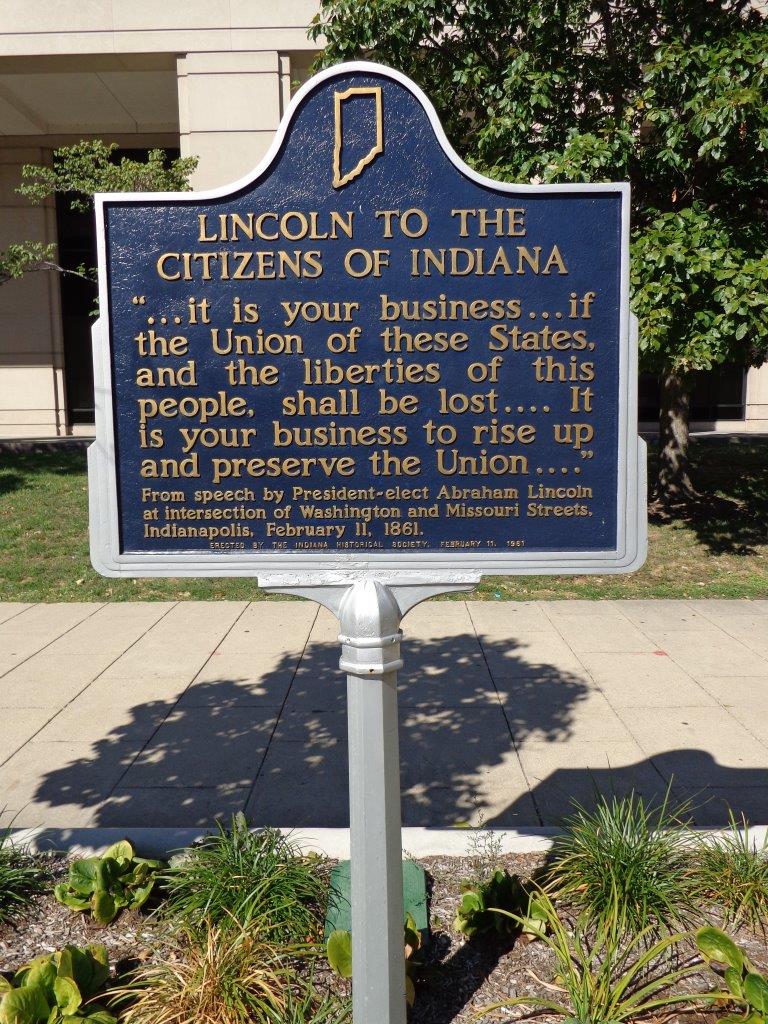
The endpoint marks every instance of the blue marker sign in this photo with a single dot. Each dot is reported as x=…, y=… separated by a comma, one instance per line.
x=366, y=357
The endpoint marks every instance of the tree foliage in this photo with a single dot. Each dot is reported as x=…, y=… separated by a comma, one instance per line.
x=669, y=94
x=21, y=257
x=78, y=172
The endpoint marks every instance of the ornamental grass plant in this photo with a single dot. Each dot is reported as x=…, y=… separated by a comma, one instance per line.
x=731, y=872
x=21, y=879
x=305, y=1005
x=625, y=860
x=232, y=976
x=240, y=878
x=606, y=973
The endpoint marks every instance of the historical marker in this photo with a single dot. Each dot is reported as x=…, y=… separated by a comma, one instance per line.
x=366, y=356
x=366, y=374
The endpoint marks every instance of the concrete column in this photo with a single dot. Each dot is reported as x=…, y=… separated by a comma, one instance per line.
x=32, y=402
x=756, y=405
x=229, y=107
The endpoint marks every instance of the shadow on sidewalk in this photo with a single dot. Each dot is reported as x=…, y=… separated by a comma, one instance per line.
x=275, y=746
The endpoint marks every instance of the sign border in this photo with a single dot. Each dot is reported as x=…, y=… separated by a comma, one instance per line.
x=294, y=568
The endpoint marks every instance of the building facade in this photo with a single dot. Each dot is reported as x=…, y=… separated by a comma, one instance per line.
x=209, y=78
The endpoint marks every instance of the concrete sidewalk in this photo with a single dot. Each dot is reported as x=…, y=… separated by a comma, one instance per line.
x=163, y=714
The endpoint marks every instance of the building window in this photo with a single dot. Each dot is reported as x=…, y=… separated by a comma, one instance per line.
x=716, y=395
x=77, y=247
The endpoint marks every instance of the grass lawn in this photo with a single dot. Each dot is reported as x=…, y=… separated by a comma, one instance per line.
x=721, y=551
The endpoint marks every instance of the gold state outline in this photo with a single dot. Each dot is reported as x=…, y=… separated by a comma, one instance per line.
x=340, y=181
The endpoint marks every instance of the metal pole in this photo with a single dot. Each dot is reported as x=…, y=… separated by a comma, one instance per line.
x=369, y=618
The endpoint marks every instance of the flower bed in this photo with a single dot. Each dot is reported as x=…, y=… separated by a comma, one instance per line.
x=231, y=931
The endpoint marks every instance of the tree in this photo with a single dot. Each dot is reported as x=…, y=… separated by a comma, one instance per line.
x=670, y=94
x=78, y=172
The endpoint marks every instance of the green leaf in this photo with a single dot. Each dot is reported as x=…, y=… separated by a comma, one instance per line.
x=39, y=973
x=26, y=1005
x=410, y=991
x=339, y=951
x=67, y=994
x=65, y=962
x=153, y=865
x=756, y=991
x=108, y=873
x=84, y=874
x=99, y=1016
x=471, y=902
x=715, y=945
x=103, y=907
x=122, y=850
x=89, y=969
x=412, y=936
x=98, y=952
x=68, y=897
x=733, y=980
x=140, y=896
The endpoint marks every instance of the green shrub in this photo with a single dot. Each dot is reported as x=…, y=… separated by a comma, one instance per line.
x=58, y=988
x=732, y=872
x=106, y=885
x=21, y=879
x=477, y=910
x=237, y=875
x=748, y=988
x=625, y=854
x=608, y=975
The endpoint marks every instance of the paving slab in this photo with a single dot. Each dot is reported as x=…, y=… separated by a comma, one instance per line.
x=711, y=652
x=49, y=680
x=747, y=692
x=643, y=679
x=227, y=681
x=112, y=629
x=507, y=620
x=174, y=714
x=585, y=636
x=270, y=626
x=135, y=691
x=439, y=620
x=609, y=768
x=531, y=655
x=45, y=776
x=19, y=727
x=711, y=729
x=12, y=608
x=654, y=615
x=129, y=807
x=757, y=643
x=710, y=805
x=89, y=720
x=590, y=719
x=753, y=718
x=545, y=709
x=36, y=628
x=203, y=747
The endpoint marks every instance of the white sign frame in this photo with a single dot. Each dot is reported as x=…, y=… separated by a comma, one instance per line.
x=298, y=569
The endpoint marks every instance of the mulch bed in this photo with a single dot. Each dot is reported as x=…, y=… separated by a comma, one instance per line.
x=458, y=978
x=48, y=926
x=462, y=977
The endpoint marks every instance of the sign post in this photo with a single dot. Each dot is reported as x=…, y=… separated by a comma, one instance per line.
x=365, y=374
x=370, y=639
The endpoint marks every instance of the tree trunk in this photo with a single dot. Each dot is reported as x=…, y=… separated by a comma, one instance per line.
x=673, y=482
